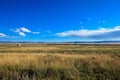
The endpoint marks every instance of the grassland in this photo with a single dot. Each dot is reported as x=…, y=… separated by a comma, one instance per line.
x=59, y=62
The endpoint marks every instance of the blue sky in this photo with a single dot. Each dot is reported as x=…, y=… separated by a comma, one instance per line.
x=59, y=20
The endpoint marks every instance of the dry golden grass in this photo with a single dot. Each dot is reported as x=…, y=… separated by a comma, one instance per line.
x=54, y=59
x=60, y=62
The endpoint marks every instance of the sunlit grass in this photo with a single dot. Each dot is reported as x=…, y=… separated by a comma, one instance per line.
x=59, y=62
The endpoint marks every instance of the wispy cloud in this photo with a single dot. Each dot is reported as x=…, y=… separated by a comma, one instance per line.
x=2, y=35
x=102, y=33
x=22, y=31
x=102, y=21
x=36, y=32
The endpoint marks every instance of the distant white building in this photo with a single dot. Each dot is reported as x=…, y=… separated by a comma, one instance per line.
x=19, y=44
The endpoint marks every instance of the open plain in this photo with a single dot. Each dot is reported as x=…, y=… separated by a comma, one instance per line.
x=59, y=62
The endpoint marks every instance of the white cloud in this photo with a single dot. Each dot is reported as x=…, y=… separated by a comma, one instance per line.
x=22, y=31
x=36, y=32
x=2, y=35
x=99, y=33
x=21, y=34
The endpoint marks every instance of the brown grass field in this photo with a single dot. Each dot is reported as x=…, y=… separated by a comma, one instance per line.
x=59, y=62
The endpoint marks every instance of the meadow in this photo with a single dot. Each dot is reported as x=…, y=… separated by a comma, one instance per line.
x=60, y=62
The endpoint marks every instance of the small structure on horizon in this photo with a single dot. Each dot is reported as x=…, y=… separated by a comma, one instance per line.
x=19, y=44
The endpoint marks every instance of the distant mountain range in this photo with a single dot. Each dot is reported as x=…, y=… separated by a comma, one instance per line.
x=72, y=42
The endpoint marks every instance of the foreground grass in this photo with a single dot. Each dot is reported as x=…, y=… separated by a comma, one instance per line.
x=76, y=64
